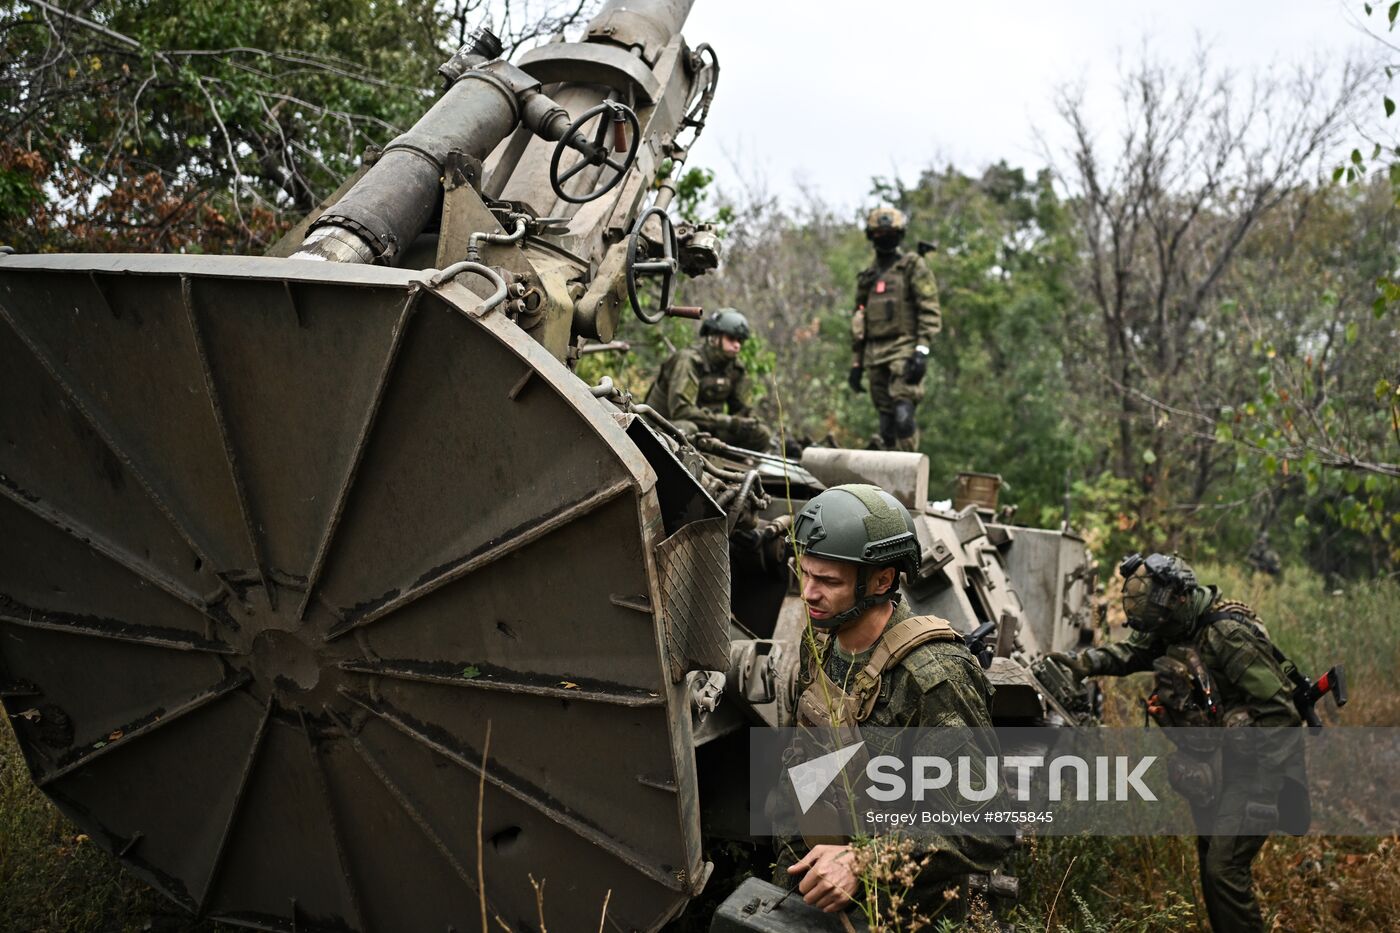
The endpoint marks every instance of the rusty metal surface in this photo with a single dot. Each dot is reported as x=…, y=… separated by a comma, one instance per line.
x=282, y=541
x=693, y=565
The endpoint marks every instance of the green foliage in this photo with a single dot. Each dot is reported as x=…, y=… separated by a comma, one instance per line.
x=168, y=125
x=759, y=361
x=1102, y=510
x=693, y=188
x=1317, y=417
x=19, y=195
x=1387, y=153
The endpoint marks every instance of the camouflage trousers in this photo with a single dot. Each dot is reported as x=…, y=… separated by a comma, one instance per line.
x=887, y=389
x=1227, y=882
x=1226, y=862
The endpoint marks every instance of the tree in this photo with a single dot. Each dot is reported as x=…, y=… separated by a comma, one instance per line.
x=208, y=124
x=1201, y=159
x=1318, y=426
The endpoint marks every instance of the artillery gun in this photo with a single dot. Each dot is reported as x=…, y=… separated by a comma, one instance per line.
x=331, y=599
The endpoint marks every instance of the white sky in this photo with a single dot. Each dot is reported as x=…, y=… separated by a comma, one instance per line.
x=828, y=94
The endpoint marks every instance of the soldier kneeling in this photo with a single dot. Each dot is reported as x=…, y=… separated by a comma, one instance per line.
x=704, y=388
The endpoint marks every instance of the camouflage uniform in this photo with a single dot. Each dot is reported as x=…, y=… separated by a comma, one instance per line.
x=897, y=311
x=1253, y=689
x=700, y=389
x=939, y=683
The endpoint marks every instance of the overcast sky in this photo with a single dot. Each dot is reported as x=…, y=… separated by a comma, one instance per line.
x=827, y=94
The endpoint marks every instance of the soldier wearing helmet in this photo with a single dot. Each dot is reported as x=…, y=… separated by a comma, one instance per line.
x=1215, y=666
x=871, y=662
x=896, y=318
x=703, y=388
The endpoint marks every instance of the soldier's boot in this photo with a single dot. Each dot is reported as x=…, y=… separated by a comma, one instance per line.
x=906, y=432
x=885, y=440
x=1227, y=884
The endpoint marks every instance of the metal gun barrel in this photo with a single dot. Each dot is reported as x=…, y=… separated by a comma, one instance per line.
x=395, y=199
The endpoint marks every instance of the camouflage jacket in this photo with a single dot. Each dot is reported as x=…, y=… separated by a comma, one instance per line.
x=700, y=385
x=938, y=684
x=1252, y=686
x=897, y=310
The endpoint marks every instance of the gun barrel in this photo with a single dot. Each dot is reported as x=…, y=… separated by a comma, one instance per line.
x=649, y=24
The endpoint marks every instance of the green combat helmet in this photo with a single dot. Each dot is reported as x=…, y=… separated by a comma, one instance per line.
x=859, y=524
x=1160, y=593
x=727, y=321
x=883, y=219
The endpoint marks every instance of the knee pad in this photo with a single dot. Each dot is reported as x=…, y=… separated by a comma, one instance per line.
x=903, y=418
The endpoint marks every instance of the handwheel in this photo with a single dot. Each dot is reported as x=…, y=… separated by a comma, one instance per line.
x=597, y=151
x=664, y=267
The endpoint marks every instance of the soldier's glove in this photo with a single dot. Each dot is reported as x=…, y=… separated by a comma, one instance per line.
x=853, y=379
x=1077, y=664
x=915, y=367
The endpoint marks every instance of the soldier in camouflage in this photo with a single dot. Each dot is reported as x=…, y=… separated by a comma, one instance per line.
x=1215, y=666
x=871, y=663
x=704, y=388
x=896, y=318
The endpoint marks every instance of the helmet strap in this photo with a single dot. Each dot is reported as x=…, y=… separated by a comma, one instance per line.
x=863, y=601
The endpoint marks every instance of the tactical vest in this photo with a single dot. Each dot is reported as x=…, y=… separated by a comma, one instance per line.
x=1286, y=670
x=889, y=312
x=825, y=703
x=1183, y=694
x=715, y=389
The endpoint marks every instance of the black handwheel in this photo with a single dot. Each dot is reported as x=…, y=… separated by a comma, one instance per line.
x=664, y=266
x=599, y=150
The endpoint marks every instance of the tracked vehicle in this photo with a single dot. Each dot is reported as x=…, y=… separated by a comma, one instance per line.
x=330, y=597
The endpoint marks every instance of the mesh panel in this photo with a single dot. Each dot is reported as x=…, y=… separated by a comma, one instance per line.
x=694, y=568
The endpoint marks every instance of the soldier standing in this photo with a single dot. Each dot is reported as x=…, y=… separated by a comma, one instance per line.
x=704, y=388
x=875, y=664
x=895, y=321
x=1215, y=666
